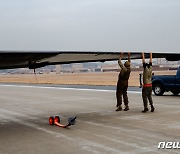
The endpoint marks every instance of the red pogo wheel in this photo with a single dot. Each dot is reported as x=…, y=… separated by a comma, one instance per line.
x=56, y=119
x=51, y=120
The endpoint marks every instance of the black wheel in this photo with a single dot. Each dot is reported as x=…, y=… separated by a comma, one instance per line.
x=175, y=93
x=158, y=90
x=56, y=119
x=51, y=120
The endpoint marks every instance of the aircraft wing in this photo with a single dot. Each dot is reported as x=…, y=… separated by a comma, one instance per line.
x=36, y=59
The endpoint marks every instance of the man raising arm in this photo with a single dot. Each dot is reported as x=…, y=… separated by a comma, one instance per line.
x=147, y=84
x=122, y=83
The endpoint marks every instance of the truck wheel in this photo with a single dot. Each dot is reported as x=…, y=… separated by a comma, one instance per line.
x=175, y=93
x=158, y=90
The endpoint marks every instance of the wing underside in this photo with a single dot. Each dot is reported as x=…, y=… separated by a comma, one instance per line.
x=10, y=59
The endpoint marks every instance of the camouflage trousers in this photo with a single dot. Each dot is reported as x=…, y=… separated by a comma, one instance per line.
x=119, y=93
x=147, y=95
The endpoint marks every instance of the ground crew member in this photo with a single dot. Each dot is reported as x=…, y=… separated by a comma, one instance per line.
x=147, y=84
x=122, y=83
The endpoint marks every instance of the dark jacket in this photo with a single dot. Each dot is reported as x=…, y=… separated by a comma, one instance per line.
x=123, y=76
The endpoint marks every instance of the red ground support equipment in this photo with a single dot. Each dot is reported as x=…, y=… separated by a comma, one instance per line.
x=56, y=120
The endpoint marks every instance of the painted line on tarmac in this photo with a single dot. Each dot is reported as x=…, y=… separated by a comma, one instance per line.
x=61, y=88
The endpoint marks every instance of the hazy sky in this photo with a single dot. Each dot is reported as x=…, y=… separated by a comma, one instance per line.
x=105, y=25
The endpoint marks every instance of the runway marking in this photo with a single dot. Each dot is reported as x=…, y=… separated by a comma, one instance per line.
x=61, y=88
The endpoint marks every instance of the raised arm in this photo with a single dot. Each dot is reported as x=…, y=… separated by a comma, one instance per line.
x=121, y=55
x=143, y=57
x=150, y=60
x=119, y=61
x=129, y=57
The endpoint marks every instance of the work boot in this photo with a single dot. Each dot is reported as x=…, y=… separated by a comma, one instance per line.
x=119, y=108
x=145, y=110
x=126, y=108
x=152, y=108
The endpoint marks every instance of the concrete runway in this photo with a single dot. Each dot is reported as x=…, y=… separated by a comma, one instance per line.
x=25, y=110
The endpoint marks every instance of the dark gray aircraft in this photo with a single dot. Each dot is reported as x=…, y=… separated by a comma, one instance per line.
x=36, y=59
